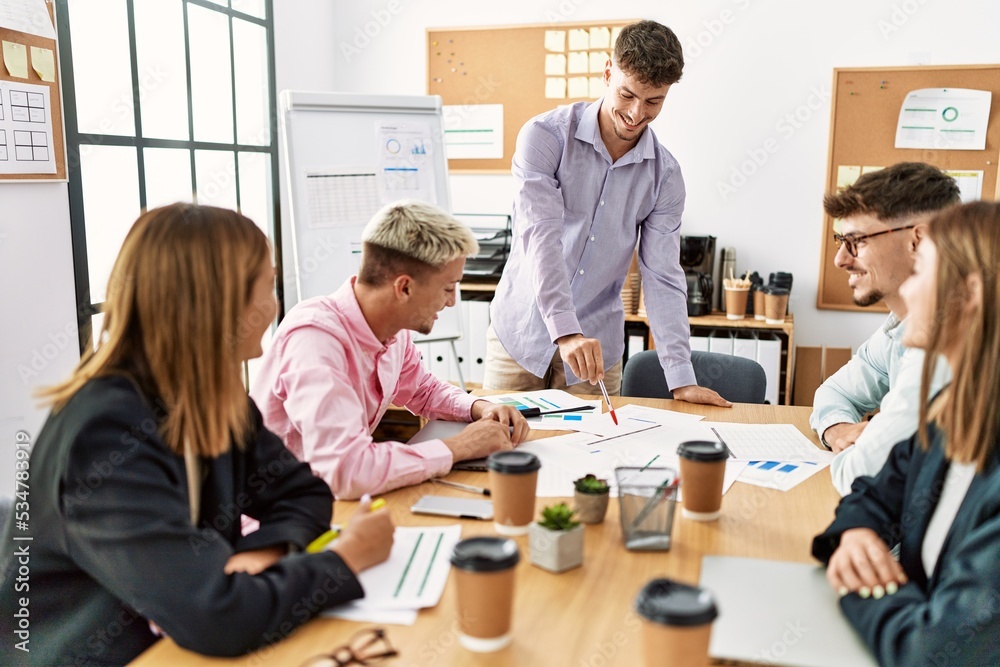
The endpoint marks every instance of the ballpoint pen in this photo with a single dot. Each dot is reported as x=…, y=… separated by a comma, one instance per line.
x=537, y=412
x=320, y=542
x=611, y=408
x=464, y=487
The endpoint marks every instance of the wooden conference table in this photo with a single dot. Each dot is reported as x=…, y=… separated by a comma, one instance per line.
x=583, y=617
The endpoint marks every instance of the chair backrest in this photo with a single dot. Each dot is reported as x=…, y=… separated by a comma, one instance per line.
x=736, y=379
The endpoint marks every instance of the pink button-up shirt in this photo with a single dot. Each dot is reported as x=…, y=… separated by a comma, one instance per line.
x=327, y=380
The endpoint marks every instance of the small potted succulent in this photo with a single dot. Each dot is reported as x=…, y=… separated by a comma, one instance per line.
x=590, y=497
x=557, y=540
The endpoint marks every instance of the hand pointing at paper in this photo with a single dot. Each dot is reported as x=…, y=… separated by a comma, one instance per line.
x=583, y=355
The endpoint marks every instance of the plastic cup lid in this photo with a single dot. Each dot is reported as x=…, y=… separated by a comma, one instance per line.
x=702, y=450
x=485, y=554
x=513, y=462
x=673, y=603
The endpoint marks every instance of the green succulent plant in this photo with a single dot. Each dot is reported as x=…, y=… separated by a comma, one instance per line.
x=591, y=484
x=558, y=517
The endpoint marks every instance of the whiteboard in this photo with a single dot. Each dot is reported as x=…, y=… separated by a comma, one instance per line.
x=346, y=155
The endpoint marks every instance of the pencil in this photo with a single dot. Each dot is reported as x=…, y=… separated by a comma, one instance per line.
x=611, y=408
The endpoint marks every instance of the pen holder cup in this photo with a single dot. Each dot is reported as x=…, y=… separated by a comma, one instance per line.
x=646, y=501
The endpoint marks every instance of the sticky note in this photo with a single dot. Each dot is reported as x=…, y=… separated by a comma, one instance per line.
x=555, y=40
x=578, y=62
x=868, y=170
x=579, y=87
x=614, y=36
x=555, y=64
x=579, y=40
x=600, y=38
x=555, y=88
x=43, y=62
x=15, y=57
x=598, y=59
x=596, y=87
x=846, y=175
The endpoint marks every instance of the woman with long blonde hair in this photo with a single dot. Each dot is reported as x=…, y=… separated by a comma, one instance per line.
x=151, y=455
x=938, y=496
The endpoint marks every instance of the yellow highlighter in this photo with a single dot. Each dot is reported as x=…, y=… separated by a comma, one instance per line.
x=320, y=543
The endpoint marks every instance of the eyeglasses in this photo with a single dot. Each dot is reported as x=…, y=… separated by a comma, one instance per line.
x=851, y=240
x=364, y=648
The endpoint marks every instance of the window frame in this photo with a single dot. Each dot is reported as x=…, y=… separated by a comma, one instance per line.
x=86, y=309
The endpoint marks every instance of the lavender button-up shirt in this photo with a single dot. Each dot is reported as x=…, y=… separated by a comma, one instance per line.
x=577, y=217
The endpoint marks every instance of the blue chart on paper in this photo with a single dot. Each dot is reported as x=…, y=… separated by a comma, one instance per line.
x=771, y=465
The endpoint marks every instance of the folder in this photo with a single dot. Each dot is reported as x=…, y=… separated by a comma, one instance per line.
x=721, y=342
x=769, y=358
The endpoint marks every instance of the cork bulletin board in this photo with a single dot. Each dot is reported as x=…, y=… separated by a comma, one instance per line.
x=508, y=65
x=25, y=137
x=865, y=109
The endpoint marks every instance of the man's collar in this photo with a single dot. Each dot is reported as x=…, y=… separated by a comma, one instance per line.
x=589, y=130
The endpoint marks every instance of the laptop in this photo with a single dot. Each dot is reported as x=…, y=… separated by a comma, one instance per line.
x=776, y=613
x=436, y=429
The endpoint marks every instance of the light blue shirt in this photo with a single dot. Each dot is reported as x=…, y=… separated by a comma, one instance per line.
x=884, y=375
x=577, y=218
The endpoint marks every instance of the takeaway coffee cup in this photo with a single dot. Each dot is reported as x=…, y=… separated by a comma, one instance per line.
x=677, y=623
x=736, y=303
x=775, y=305
x=484, y=578
x=758, y=303
x=513, y=478
x=703, y=468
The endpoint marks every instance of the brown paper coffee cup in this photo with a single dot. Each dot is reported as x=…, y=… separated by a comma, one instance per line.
x=513, y=479
x=758, y=305
x=703, y=471
x=775, y=306
x=677, y=623
x=485, y=601
x=513, y=501
x=484, y=582
x=686, y=647
x=736, y=303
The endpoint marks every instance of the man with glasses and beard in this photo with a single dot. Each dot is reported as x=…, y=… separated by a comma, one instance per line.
x=881, y=218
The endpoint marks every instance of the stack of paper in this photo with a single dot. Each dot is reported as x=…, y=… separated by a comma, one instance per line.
x=412, y=578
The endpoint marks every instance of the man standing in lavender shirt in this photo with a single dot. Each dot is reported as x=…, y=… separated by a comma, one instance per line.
x=589, y=177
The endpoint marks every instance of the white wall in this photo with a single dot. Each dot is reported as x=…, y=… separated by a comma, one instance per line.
x=38, y=333
x=305, y=59
x=750, y=63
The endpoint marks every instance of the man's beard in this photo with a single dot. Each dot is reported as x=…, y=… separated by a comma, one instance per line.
x=869, y=299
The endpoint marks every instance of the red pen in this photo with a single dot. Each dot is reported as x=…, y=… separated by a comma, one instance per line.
x=604, y=391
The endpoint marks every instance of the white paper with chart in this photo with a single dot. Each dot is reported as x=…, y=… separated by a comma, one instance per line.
x=412, y=578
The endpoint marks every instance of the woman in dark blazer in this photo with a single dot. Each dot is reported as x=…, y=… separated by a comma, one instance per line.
x=134, y=490
x=938, y=495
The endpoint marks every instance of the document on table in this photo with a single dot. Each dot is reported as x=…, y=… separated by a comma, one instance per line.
x=568, y=457
x=413, y=578
x=767, y=442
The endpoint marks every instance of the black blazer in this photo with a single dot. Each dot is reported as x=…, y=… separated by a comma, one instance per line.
x=113, y=546
x=953, y=616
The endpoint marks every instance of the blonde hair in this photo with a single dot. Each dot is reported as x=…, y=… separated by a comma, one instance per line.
x=172, y=322
x=968, y=244
x=412, y=230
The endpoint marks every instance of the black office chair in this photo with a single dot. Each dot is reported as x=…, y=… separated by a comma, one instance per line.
x=736, y=379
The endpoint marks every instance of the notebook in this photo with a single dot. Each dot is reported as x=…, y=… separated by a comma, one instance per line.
x=436, y=429
x=776, y=613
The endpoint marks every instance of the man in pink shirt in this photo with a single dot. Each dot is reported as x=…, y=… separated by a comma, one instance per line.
x=338, y=361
